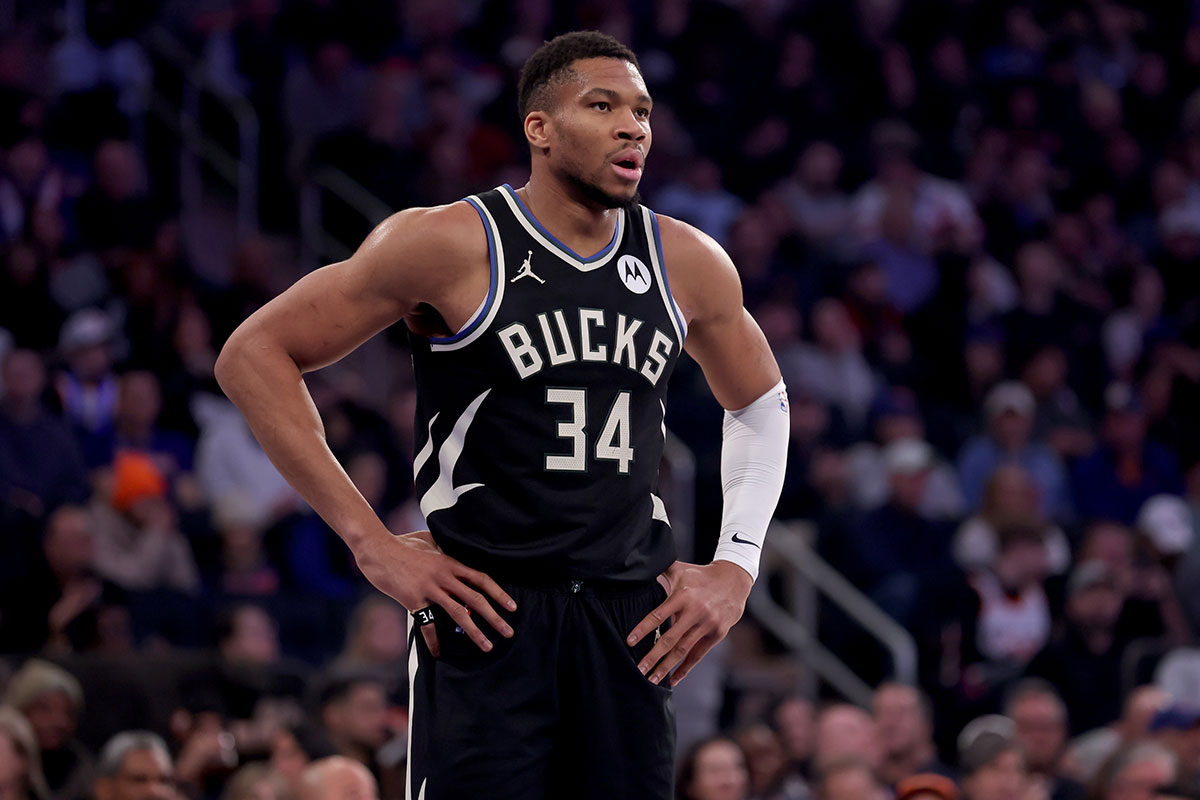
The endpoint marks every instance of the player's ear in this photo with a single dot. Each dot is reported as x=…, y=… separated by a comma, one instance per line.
x=538, y=129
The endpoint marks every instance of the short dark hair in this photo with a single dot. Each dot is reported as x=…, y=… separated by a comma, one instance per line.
x=551, y=63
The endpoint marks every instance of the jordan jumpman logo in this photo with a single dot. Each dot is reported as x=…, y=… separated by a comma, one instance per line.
x=526, y=271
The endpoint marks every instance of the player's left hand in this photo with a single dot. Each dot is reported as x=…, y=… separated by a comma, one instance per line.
x=703, y=603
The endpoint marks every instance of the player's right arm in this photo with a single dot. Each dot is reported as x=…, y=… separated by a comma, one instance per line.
x=434, y=256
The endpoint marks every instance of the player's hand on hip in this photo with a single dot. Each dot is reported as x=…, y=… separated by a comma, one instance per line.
x=703, y=603
x=415, y=572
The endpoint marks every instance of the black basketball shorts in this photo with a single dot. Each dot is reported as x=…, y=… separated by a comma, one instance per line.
x=558, y=712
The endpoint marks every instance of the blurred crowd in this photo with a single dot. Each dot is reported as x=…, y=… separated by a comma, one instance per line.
x=970, y=230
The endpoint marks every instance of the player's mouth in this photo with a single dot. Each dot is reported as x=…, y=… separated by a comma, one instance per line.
x=628, y=164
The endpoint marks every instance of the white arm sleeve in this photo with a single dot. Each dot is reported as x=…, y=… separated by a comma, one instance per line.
x=753, y=456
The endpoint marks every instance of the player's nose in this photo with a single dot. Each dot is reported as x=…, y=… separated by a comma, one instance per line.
x=631, y=128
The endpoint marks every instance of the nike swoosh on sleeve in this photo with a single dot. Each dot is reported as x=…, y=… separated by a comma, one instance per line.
x=744, y=541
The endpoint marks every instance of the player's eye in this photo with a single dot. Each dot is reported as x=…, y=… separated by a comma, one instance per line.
x=643, y=113
x=601, y=105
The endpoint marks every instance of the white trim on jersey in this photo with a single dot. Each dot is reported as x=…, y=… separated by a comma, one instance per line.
x=497, y=251
x=443, y=493
x=673, y=311
x=556, y=247
x=414, y=664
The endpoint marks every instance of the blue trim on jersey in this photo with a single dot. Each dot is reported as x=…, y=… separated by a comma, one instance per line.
x=662, y=263
x=491, y=295
x=541, y=228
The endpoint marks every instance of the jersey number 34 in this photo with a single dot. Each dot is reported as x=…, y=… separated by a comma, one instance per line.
x=612, y=444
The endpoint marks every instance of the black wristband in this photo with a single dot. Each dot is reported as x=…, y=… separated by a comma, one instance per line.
x=423, y=616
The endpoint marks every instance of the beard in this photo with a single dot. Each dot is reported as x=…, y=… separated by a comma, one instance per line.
x=591, y=191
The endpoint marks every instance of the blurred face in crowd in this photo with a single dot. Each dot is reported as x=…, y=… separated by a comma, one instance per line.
x=794, y=719
x=52, y=716
x=68, y=544
x=359, y=719
x=1041, y=730
x=851, y=783
x=1003, y=778
x=383, y=633
x=765, y=758
x=1011, y=494
x=24, y=377
x=139, y=400
x=1125, y=430
x=720, y=773
x=1011, y=429
x=144, y=775
x=1112, y=544
x=900, y=720
x=1141, y=780
x=1096, y=608
x=338, y=777
x=253, y=639
x=846, y=732
x=91, y=362
x=599, y=116
x=1022, y=563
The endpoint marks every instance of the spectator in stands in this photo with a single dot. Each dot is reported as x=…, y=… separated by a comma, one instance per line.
x=850, y=779
x=293, y=748
x=87, y=387
x=20, y=764
x=1011, y=498
x=1139, y=770
x=354, y=713
x=904, y=720
x=40, y=465
x=1088, y=753
x=700, y=199
x=376, y=641
x=339, y=777
x=61, y=601
x=1009, y=408
x=796, y=728
x=846, y=731
x=1006, y=618
x=713, y=769
x=991, y=761
x=135, y=765
x=230, y=460
x=1153, y=606
x=1177, y=728
x=1084, y=662
x=138, y=544
x=766, y=762
x=256, y=781
x=894, y=416
x=244, y=568
x=894, y=554
x=117, y=213
x=816, y=205
x=52, y=700
x=1041, y=726
x=1059, y=418
x=833, y=367
x=135, y=427
x=1126, y=469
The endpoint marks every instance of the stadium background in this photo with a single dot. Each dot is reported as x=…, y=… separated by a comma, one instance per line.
x=969, y=228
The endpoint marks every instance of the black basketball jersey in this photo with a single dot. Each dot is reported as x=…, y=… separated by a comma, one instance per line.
x=540, y=423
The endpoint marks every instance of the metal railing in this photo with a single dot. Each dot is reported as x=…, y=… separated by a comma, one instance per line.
x=317, y=245
x=787, y=552
x=240, y=170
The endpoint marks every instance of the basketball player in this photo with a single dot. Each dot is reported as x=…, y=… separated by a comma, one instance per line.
x=545, y=323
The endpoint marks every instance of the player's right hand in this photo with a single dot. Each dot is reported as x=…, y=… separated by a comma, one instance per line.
x=415, y=572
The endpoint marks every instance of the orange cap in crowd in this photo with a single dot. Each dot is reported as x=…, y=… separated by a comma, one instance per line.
x=135, y=477
x=929, y=783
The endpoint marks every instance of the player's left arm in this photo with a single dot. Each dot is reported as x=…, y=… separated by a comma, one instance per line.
x=705, y=601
